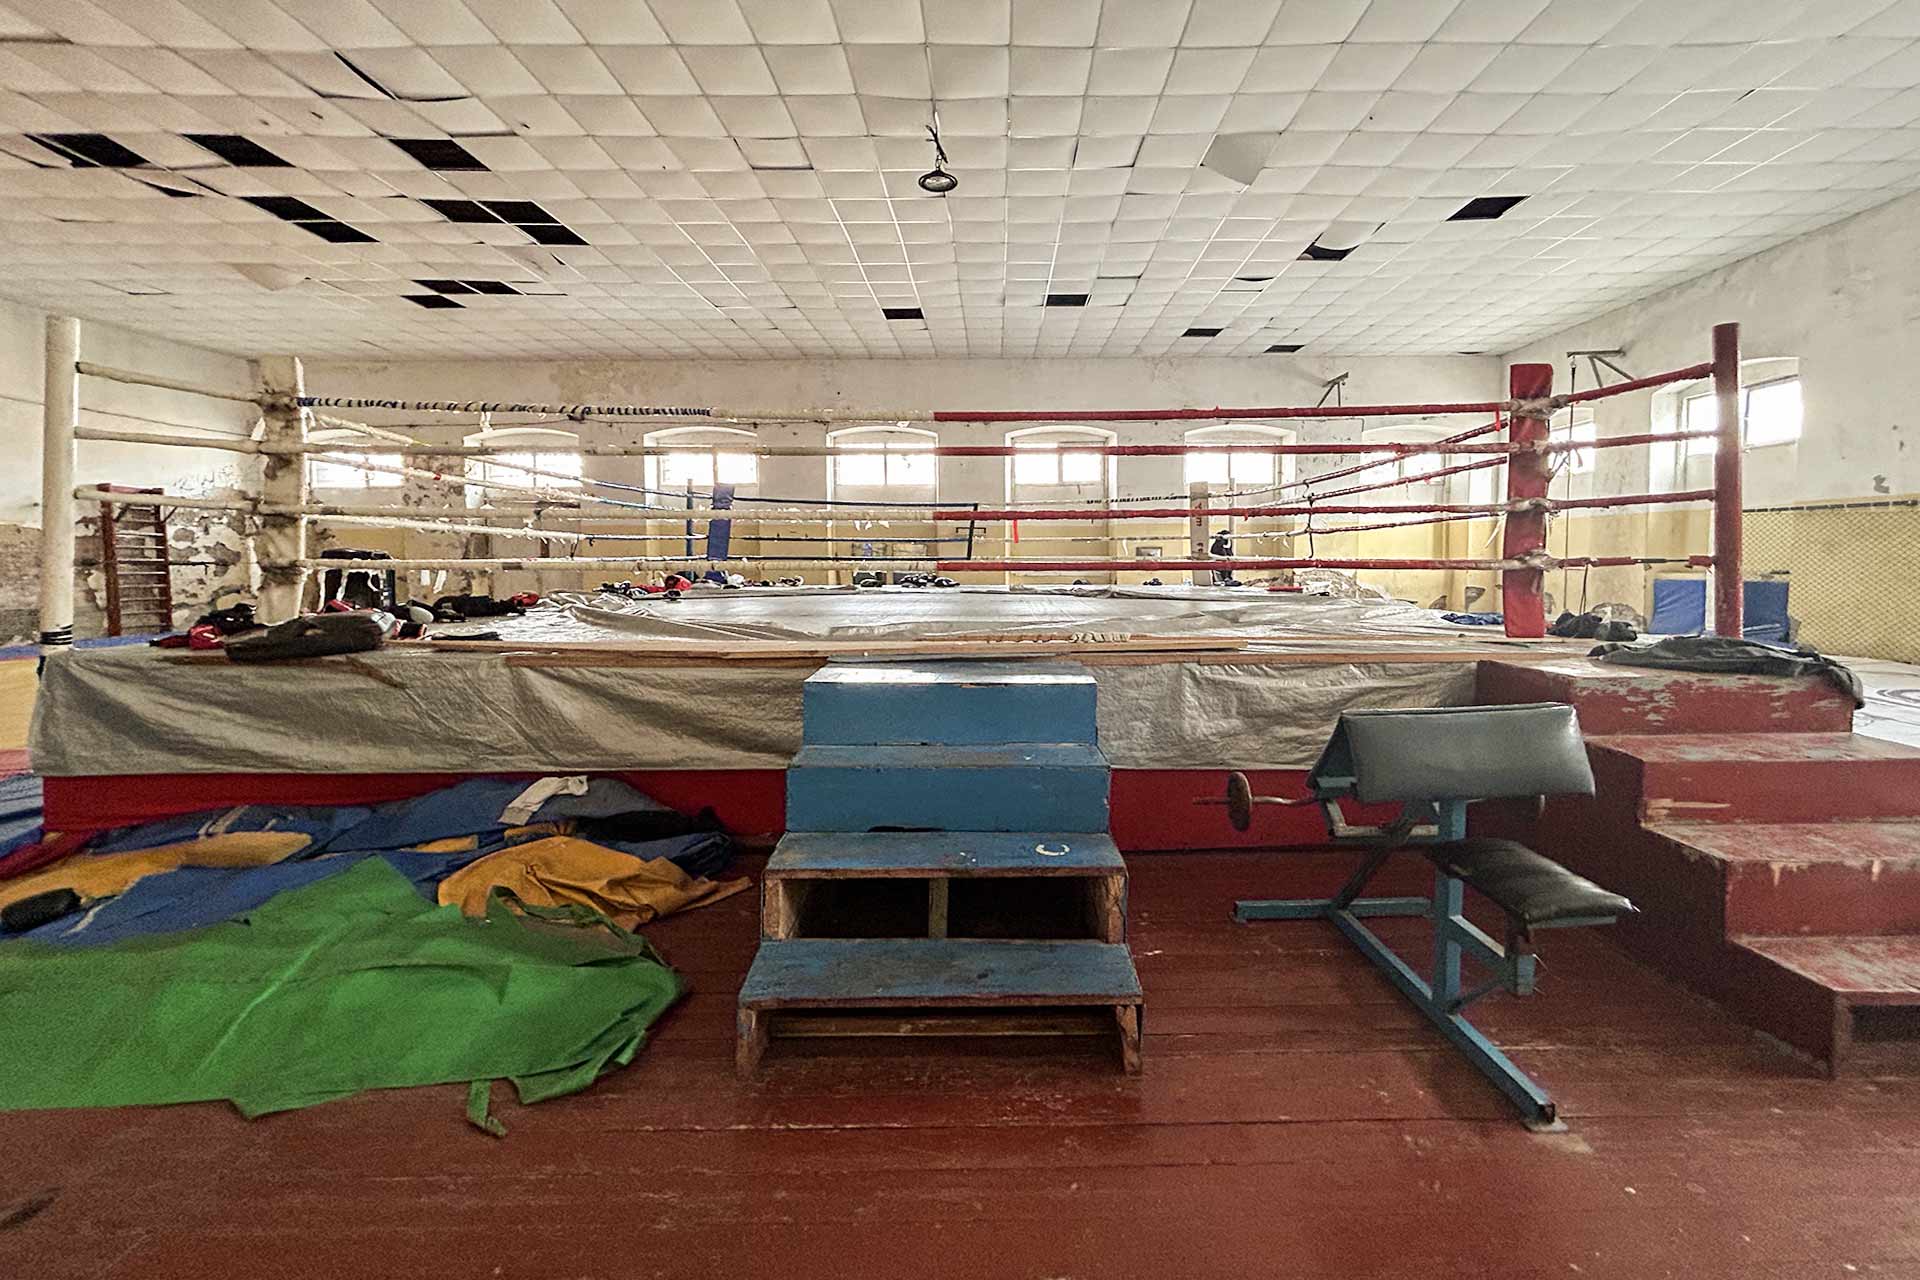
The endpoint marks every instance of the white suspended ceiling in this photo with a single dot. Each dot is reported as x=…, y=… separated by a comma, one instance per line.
x=737, y=177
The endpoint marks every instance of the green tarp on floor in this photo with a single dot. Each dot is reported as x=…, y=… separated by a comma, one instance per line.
x=348, y=984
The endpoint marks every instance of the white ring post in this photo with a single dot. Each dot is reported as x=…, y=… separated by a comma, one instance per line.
x=1197, y=540
x=61, y=403
x=282, y=541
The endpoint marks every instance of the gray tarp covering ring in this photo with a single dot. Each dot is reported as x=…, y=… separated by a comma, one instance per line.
x=133, y=711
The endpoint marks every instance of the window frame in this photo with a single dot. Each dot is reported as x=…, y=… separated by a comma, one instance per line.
x=495, y=468
x=902, y=444
x=351, y=442
x=1280, y=465
x=1706, y=446
x=1057, y=445
x=714, y=455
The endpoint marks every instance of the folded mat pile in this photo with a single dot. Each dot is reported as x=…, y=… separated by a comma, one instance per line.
x=197, y=870
x=351, y=982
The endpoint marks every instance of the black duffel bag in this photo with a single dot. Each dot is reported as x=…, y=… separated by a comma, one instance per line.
x=315, y=636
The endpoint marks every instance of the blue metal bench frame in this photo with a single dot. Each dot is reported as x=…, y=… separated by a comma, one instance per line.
x=1443, y=996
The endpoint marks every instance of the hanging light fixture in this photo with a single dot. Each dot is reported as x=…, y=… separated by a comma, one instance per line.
x=937, y=180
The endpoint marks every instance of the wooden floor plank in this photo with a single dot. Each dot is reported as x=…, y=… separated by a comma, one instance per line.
x=1296, y=1118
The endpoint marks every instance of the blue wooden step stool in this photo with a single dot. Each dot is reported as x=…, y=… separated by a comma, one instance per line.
x=947, y=867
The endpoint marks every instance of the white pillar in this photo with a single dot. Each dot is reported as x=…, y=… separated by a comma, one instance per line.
x=1197, y=540
x=282, y=539
x=62, y=415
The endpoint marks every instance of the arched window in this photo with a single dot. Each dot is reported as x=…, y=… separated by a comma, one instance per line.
x=1574, y=425
x=1048, y=459
x=1771, y=411
x=1403, y=467
x=1241, y=470
x=324, y=473
x=890, y=458
x=539, y=458
x=701, y=458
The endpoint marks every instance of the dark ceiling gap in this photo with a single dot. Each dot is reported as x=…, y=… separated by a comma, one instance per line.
x=236, y=150
x=1320, y=253
x=442, y=155
x=91, y=150
x=1484, y=208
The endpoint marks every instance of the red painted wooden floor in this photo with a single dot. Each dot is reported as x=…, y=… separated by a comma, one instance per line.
x=1295, y=1120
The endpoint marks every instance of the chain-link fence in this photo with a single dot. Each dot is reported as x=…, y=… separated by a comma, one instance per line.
x=1853, y=570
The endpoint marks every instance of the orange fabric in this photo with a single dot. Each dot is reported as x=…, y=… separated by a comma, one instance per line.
x=106, y=874
x=565, y=869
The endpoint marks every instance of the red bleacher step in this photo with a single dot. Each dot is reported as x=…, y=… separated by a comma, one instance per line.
x=1803, y=878
x=1642, y=700
x=1842, y=1000
x=1759, y=777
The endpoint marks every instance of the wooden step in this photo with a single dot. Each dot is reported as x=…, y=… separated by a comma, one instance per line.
x=1049, y=884
x=1800, y=878
x=1017, y=787
x=915, y=854
x=1760, y=777
x=954, y=703
x=969, y=974
x=1643, y=700
x=1834, y=996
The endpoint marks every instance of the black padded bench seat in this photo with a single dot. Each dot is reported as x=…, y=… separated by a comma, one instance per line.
x=1531, y=889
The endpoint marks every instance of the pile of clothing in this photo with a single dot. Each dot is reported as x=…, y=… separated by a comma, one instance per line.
x=281, y=955
x=339, y=627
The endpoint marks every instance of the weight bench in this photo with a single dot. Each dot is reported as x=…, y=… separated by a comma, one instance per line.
x=1433, y=762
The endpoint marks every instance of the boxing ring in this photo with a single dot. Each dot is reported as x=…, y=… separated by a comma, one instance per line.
x=599, y=683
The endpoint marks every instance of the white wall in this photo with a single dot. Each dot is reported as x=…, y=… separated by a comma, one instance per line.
x=113, y=404
x=1845, y=301
x=110, y=404
x=946, y=384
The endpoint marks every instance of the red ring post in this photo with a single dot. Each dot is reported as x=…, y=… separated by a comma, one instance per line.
x=1522, y=599
x=1728, y=585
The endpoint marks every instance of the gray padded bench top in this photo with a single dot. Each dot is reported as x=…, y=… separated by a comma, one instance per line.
x=1532, y=889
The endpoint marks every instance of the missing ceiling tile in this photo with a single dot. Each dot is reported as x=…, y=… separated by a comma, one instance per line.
x=1484, y=208
x=460, y=210
x=1201, y=331
x=1066, y=299
x=288, y=208
x=489, y=286
x=236, y=150
x=1283, y=348
x=551, y=233
x=1320, y=253
x=903, y=313
x=90, y=150
x=443, y=155
x=445, y=286
x=518, y=211
x=335, y=232
x=431, y=301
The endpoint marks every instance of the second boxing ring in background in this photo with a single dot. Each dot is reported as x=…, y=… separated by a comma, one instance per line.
x=282, y=512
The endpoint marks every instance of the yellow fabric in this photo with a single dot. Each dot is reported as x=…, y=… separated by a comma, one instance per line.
x=512, y=835
x=565, y=869
x=106, y=874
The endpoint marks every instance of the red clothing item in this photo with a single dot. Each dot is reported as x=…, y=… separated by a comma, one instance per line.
x=49, y=849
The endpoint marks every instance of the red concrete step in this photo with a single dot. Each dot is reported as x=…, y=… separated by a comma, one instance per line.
x=1758, y=777
x=1802, y=878
x=1836, y=998
x=1643, y=700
